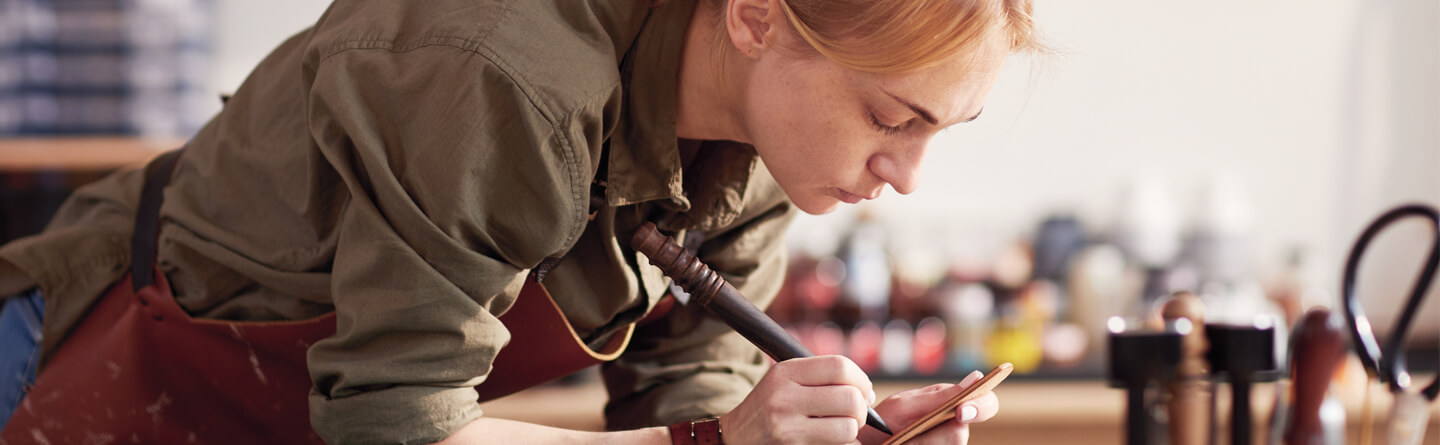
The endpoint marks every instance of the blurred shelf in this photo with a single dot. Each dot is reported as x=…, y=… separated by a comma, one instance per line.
x=80, y=153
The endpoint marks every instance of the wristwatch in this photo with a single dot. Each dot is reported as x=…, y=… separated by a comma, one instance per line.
x=696, y=432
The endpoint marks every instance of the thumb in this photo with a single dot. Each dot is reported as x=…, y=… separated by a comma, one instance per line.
x=920, y=401
x=936, y=394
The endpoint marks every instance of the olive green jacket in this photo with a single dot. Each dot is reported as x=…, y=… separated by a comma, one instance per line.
x=405, y=164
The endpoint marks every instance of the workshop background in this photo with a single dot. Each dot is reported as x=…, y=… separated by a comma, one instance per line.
x=1233, y=148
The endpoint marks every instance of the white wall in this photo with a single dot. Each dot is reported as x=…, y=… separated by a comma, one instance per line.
x=1391, y=142
x=1327, y=110
x=246, y=30
x=1179, y=90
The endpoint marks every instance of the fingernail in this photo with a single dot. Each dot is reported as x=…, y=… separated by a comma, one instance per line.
x=971, y=378
x=968, y=413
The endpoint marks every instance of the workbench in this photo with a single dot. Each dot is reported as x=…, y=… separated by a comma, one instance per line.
x=1032, y=412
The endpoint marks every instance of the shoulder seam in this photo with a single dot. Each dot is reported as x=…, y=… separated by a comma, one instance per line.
x=579, y=185
x=377, y=42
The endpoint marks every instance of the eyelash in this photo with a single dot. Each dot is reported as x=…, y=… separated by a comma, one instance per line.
x=888, y=130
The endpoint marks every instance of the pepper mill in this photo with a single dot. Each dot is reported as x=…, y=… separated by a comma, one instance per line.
x=1317, y=351
x=1189, y=390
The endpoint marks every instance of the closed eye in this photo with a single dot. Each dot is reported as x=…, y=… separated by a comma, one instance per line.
x=888, y=130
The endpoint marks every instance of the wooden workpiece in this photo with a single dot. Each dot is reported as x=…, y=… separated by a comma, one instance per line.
x=946, y=411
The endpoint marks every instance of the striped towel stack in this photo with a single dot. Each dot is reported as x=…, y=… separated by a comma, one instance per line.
x=134, y=67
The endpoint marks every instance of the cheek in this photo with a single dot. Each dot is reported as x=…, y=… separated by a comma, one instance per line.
x=805, y=133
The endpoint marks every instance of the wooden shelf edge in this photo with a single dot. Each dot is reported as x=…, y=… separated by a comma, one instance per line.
x=80, y=153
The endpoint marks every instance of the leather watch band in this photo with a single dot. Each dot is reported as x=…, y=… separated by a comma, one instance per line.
x=706, y=431
x=696, y=432
x=680, y=434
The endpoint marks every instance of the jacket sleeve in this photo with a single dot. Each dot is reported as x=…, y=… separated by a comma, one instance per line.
x=689, y=365
x=457, y=185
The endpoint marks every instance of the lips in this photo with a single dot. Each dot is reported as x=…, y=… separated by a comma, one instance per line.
x=852, y=198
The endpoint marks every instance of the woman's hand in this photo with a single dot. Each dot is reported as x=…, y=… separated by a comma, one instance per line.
x=902, y=409
x=819, y=400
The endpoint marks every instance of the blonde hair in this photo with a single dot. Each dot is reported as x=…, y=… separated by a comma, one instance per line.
x=901, y=36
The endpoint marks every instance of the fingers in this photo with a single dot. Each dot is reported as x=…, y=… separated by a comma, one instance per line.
x=833, y=390
x=836, y=400
x=980, y=409
x=958, y=431
x=808, y=400
x=908, y=405
x=922, y=400
x=827, y=370
x=830, y=430
x=970, y=379
x=950, y=433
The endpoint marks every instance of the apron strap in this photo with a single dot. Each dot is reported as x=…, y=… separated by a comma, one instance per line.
x=147, y=219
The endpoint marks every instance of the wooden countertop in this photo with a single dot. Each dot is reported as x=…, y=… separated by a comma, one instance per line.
x=1072, y=412
x=80, y=153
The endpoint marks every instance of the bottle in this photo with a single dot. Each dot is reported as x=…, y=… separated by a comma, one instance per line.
x=1149, y=231
x=867, y=279
x=896, y=350
x=1059, y=239
x=864, y=345
x=1100, y=286
x=968, y=309
x=929, y=347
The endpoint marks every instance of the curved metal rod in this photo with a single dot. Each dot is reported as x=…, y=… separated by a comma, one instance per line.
x=1388, y=364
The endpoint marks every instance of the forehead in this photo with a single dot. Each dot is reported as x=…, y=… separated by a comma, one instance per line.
x=956, y=86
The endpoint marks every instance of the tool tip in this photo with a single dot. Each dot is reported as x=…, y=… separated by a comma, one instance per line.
x=876, y=422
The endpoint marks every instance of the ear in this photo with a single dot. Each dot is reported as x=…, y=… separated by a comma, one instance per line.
x=753, y=25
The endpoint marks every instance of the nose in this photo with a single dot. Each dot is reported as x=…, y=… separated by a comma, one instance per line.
x=900, y=167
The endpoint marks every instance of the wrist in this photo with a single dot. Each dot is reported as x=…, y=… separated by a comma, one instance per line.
x=658, y=435
x=706, y=431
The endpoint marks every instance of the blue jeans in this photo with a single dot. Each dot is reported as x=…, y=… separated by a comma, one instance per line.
x=19, y=349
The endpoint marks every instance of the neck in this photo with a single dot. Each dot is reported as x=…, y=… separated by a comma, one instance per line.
x=707, y=107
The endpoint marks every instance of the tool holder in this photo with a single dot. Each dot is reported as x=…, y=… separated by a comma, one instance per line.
x=1242, y=356
x=1142, y=359
x=1139, y=360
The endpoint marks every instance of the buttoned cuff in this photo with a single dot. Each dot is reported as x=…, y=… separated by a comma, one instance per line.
x=395, y=415
x=703, y=394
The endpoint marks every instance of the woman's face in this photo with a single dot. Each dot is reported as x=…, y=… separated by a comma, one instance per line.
x=829, y=134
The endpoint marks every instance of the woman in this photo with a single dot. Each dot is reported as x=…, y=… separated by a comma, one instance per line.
x=393, y=184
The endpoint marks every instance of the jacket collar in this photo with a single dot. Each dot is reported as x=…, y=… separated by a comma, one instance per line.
x=644, y=160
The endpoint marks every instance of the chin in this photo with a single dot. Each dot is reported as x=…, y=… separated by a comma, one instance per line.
x=818, y=205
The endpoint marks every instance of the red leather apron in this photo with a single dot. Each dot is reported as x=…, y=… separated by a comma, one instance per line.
x=138, y=369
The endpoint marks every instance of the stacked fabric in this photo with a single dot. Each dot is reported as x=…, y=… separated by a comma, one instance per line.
x=103, y=67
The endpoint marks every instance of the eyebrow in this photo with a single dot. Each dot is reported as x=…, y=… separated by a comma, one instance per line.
x=924, y=114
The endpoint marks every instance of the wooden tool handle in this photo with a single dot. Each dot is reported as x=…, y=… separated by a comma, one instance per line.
x=724, y=302
x=1319, y=347
x=687, y=270
x=946, y=411
x=717, y=296
x=1189, y=403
